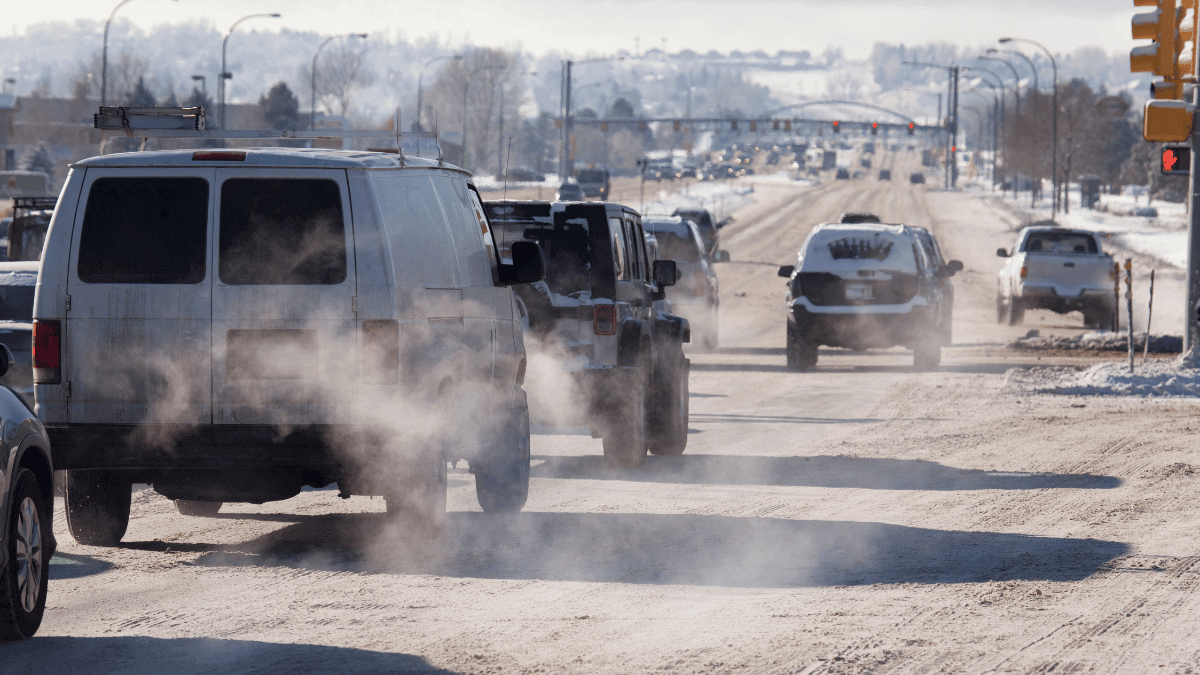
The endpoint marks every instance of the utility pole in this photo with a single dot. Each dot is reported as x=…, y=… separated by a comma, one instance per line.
x=564, y=155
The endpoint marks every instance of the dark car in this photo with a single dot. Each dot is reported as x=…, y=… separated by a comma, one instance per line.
x=705, y=224
x=843, y=174
x=696, y=296
x=884, y=174
x=594, y=182
x=570, y=192
x=26, y=513
x=595, y=313
x=861, y=286
x=917, y=179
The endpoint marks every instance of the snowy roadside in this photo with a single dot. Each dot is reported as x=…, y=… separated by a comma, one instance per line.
x=1165, y=378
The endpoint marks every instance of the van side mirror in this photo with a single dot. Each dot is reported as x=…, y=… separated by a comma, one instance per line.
x=1002, y=253
x=527, y=266
x=6, y=359
x=721, y=256
x=786, y=270
x=724, y=221
x=665, y=273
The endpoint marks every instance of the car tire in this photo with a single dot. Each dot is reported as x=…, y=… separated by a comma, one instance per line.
x=625, y=437
x=1001, y=309
x=502, y=484
x=801, y=354
x=418, y=505
x=1015, y=311
x=947, y=330
x=24, y=578
x=667, y=427
x=97, y=506
x=927, y=352
x=193, y=507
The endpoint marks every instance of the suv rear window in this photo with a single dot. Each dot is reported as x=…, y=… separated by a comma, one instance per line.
x=144, y=231
x=281, y=232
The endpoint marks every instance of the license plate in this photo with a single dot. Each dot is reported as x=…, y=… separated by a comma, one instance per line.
x=858, y=292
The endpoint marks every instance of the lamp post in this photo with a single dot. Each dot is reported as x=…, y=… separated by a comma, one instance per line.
x=951, y=105
x=466, y=87
x=203, y=84
x=104, y=55
x=996, y=104
x=1032, y=68
x=565, y=158
x=456, y=57
x=312, y=89
x=500, y=140
x=1016, y=77
x=1054, y=122
x=225, y=74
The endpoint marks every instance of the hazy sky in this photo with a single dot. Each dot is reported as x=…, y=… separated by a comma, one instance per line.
x=600, y=26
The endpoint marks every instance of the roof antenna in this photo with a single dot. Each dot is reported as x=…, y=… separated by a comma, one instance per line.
x=396, y=128
x=437, y=139
x=507, y=156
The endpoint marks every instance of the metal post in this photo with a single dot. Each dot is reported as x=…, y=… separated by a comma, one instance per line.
x=1193, y=273
x=1149, y=316
x=225, y=75
x=1129, y=306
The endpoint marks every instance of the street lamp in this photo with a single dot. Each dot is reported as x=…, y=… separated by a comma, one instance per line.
x=225, y=74
x=1016, y=76
x=312, y=105
x=1054, y=122
x=564, y=152
x=104, y=55
x=203, y=84
x=1032, y=68
x=456, y=57
x=466, y=86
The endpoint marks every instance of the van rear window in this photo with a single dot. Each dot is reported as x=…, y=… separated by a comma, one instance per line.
x=144, y=231
x=281, y=232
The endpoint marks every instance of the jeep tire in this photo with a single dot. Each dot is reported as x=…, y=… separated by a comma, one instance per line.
x=624, y=435
x=24, y=577
x=97, y=505
x=502, y=482
x=667, y=415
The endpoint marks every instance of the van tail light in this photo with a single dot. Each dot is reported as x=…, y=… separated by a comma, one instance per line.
x=1024, y=271
x=219, y=156
x=604, y=319
x=47, y=352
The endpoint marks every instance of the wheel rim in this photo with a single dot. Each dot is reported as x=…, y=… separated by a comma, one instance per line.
x=29, y=554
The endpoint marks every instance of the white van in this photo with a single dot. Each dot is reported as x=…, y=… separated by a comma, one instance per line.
x=233, y=325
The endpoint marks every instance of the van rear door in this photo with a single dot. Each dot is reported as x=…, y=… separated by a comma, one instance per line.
x=284, y=347
x=137, y=345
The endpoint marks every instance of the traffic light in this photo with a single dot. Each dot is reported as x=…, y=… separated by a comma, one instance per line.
x=677, y=125
x=874, y=128
x=787, y=125
x=912, y=128
x=1161, y=27
x=836, y=130
x=1167, y=121
x=1185, y=43
x=1176, y=160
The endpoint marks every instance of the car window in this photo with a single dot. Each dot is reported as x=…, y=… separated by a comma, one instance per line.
x=620, y=252
x=281, y=231
x=489, y=236
x=1060, y=242
x=144, y=231
x=16, y=295
x=637, y=260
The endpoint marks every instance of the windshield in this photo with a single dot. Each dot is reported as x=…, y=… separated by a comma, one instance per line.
x=16, y=295
x=671, y=246
x=564, y=242
x=845, y=252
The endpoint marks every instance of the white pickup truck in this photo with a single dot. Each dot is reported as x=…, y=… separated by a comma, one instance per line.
x=1058, y=269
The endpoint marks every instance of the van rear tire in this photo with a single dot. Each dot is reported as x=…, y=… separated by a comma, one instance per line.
x=97, y=505
x=502, y=484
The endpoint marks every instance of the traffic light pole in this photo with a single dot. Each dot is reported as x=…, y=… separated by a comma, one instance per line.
x=1193, y=268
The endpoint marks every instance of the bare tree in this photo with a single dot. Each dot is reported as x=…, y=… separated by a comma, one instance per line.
x=341, y=70
x=475, y=87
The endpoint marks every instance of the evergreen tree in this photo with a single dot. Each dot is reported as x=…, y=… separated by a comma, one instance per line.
x=280, y=108
x=38, y=158
x=171, y=101
x=141, y=97
x=198, y=99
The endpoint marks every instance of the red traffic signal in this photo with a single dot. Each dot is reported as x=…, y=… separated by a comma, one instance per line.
x=1176, y=160
x=911, y=128
x=835, y=127
x=874, y=128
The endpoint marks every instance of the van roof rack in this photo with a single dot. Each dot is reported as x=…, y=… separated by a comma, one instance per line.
x=174, y=122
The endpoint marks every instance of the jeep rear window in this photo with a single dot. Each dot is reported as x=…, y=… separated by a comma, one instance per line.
x=281, y=232
x=144, y=231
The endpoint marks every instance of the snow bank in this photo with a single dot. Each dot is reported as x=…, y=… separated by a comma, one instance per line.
x=1166, y=378
x=1098, y=341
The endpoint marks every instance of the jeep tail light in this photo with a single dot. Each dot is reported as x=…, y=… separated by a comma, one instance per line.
x=1024, y=271
x=47, y=352
x=604, y=319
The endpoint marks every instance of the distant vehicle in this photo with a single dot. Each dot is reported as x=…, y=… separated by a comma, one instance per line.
x=570, y=192
x=1056, y=269
x=594, y=181
x=857, y=174
x=17, y=283
x=843, y=174
x=851, y=218
x=696, y=293
x=884, y=174
x=865, y=285
x=687, y=172
x=917, y=179
x=772, y=157
x=865, y=162
x=27, y=512
x=26, y=230
x=705, y=224
x=15, y=184
x=521, y=175
x=926, y=157
x=828, y=159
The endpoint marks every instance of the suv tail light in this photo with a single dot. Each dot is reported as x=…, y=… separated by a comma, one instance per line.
x=47, y=352
x=1024, y=272
x=604, y=319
